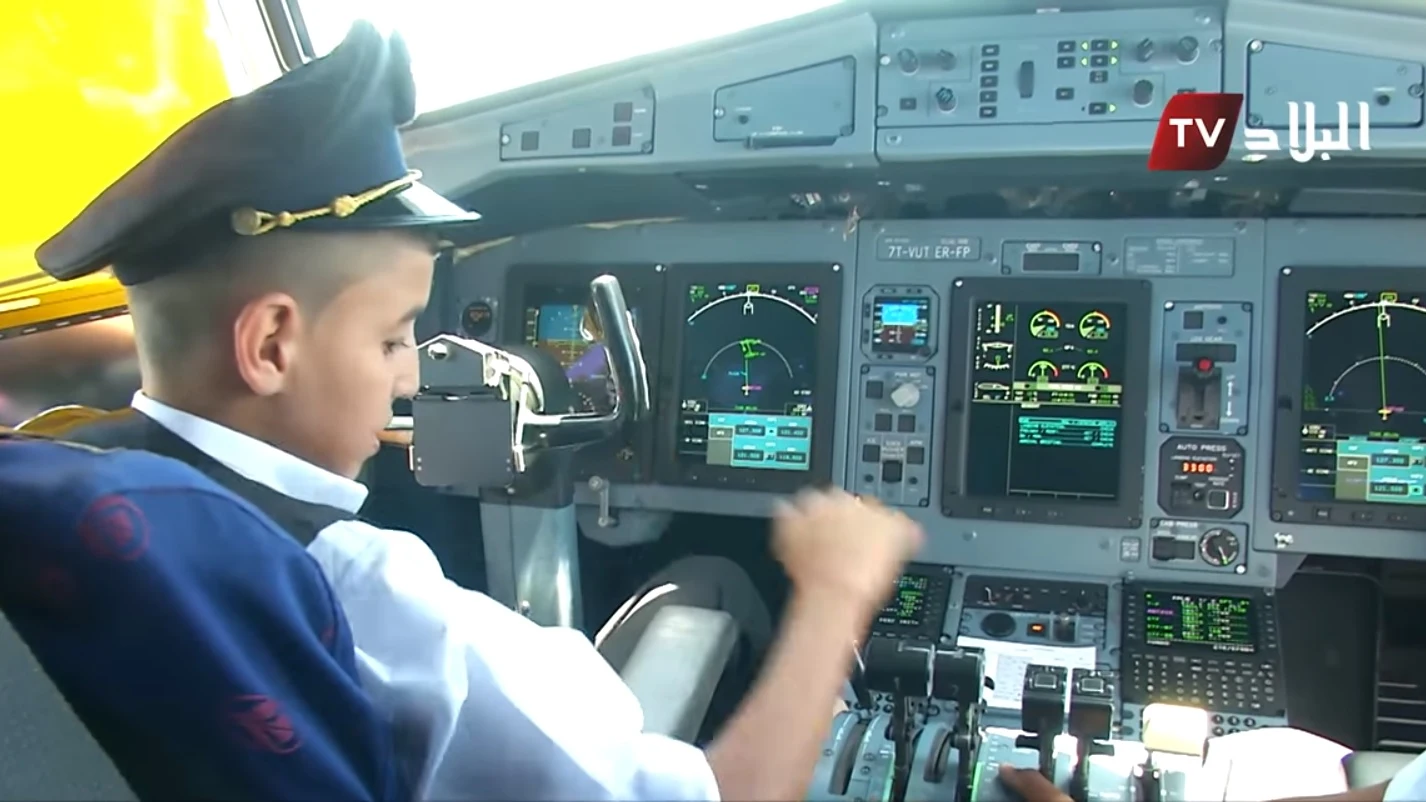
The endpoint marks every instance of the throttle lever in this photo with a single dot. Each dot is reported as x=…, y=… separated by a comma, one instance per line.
x=858, y=681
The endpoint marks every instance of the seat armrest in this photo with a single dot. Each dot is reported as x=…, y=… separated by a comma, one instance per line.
x=1365, y=769
x=676, y=666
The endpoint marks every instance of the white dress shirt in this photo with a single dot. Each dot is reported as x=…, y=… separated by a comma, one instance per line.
x=483, y=703
x=1409, y=784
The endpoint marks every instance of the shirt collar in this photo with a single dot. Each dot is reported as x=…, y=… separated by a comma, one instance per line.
x=255, y=460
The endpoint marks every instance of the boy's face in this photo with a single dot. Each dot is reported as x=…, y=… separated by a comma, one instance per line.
x=355, y=357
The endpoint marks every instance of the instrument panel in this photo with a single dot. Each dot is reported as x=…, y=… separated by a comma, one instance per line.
x=1047, y=398
x=1105, y=417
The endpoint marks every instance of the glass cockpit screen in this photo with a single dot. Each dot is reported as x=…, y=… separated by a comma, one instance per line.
x=1221, y=623
x=1045, y=416
x=1363, y=432
x=561, y=330
x=900, y=325
x=748, y=375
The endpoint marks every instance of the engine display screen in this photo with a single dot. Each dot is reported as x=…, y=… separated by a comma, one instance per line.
x=1046, y=415
x=1222, y=623
x=561, y=330
x=1363, y=397
x=900, y=325
x=748, y=375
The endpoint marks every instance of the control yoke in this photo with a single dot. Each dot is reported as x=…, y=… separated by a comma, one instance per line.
x=470, y=388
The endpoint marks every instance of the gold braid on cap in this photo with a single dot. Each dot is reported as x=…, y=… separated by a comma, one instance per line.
x=250, y=222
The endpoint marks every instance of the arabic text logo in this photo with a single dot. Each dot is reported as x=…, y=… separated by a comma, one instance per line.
x=1196, y=132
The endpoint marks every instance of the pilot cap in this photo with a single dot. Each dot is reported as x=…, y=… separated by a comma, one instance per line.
x=315, y=150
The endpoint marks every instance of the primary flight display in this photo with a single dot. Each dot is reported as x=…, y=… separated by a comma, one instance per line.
x=748, y=374
x=1363, y=433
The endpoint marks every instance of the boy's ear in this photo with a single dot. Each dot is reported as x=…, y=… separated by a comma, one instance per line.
x=266, y=334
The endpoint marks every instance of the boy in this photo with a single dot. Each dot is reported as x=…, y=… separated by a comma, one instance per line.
x=276, y=254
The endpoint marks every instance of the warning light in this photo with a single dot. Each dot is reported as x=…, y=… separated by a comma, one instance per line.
x=1204, y=364
x=1036, y=628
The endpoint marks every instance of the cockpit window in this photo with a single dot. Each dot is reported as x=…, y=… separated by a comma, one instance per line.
x=463, y=50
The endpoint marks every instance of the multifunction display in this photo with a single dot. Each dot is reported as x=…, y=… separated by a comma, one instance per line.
x=1047, y=407
x=1046, y=400
x=907, y=607
x=748, y=374
x=1221, y=623
x=917, y=610
x=1363, y=397
x=900, y=325
x=563, y=330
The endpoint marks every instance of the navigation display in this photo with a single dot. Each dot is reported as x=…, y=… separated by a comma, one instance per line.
x=561, y=330
x=900, y=325
x=1363, y=397
x=1222, y=623
x=1045, y=415
x=748, y=375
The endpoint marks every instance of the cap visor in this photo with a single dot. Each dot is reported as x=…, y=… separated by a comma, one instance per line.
x=417, y=206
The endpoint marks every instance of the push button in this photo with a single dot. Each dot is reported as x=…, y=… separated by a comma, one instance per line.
x=875, y=388
x=882, y=422
x=890, y=471
x=871, y=452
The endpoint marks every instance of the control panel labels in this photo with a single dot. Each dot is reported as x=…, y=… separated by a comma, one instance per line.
x=1201, y=477
x=1192, y=257
x=894, y=424
x=899, y=248
x=1052, y=258
x=1199, y=545
x=1207, y=367
x=1006, y=662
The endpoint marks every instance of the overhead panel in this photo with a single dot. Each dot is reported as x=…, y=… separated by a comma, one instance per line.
x=805, y=107
x=1279, y=75
x=1050, y=68
x=621, y=125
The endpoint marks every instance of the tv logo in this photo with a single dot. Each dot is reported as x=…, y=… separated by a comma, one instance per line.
x=1196, y=132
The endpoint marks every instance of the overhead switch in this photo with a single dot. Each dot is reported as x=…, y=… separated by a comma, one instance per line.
x=1186, y=49
x=1143, y=92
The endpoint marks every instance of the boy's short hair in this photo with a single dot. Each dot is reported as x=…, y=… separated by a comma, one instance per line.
x=180, y=316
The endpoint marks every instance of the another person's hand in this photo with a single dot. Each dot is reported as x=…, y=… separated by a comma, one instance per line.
x=1030, y=785
x=831, y=542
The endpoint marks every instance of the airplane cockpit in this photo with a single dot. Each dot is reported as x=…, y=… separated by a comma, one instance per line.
x=1164, y=430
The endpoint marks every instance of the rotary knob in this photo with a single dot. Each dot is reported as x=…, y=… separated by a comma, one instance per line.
x=906, y=395
x=1143, y=92
x=908, y=61
x=1186, y=49
x=946, y=99
x=998, y=625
